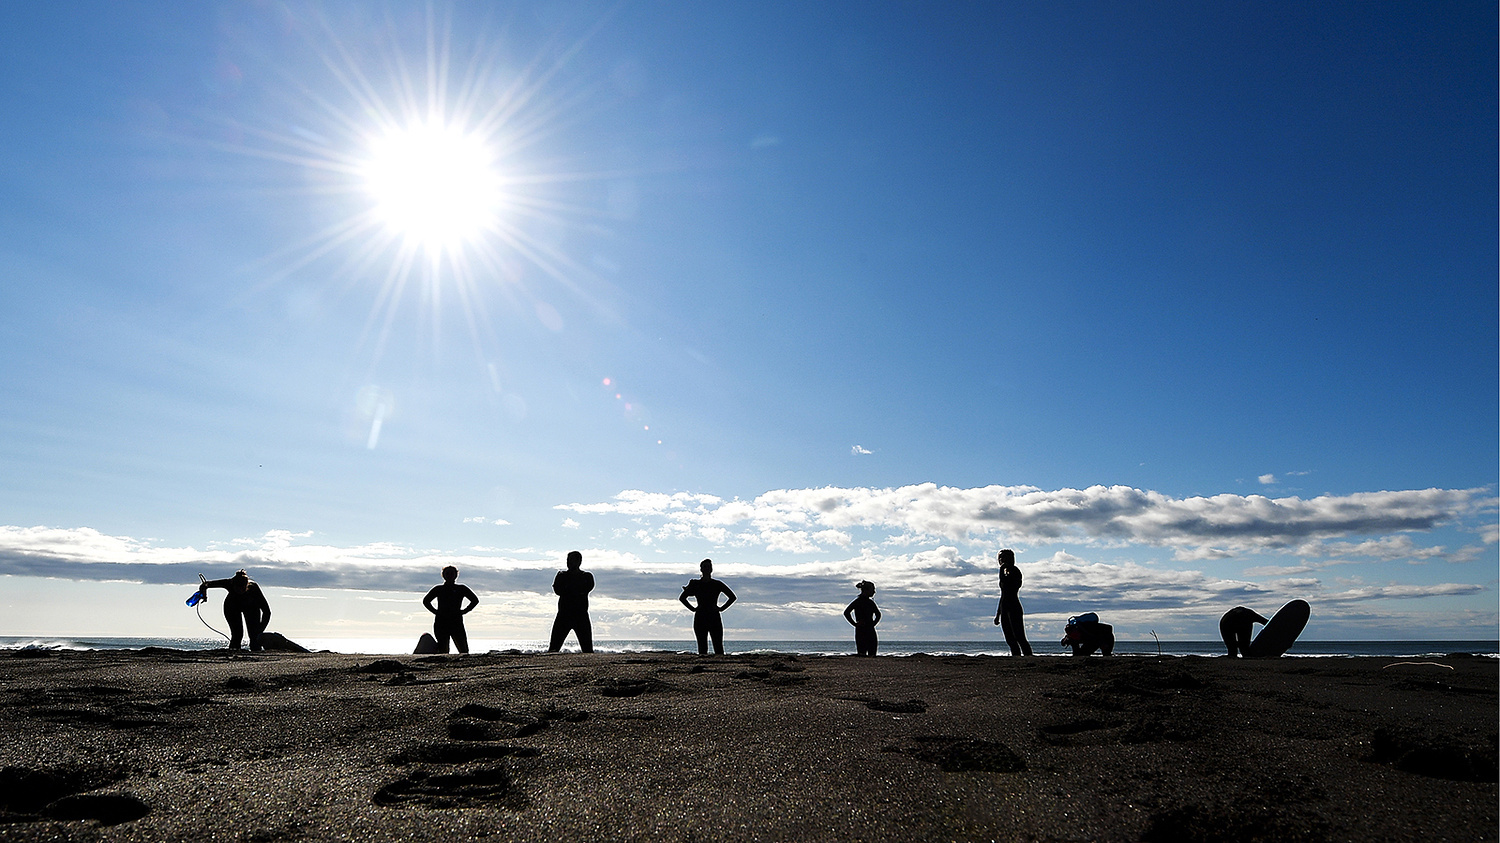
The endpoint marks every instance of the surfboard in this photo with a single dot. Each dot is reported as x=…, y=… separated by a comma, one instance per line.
x=427, y=645
x=1281, y=632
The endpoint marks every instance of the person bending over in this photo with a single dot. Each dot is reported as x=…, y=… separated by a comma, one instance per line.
x=706, y=620
x=1235, y=628
x=1086, y=635
x=450, y=611
x=572, y=588
x=245, y=608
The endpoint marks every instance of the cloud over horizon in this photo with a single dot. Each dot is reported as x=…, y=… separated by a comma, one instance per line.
x=806, y=520
x=927, y=547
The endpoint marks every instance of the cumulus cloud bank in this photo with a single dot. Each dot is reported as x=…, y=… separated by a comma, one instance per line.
x=804, y=520
x=929, y=548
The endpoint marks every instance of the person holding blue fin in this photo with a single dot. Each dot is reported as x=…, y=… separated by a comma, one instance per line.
x=863, y=614
x=245, y=607
x=450, y=611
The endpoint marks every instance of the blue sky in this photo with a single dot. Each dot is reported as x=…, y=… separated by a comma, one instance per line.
x=1193, y=306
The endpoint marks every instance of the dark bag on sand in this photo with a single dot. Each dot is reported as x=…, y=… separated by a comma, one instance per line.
x=277, y=641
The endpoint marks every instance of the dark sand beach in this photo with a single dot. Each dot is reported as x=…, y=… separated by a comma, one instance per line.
x=176, y=745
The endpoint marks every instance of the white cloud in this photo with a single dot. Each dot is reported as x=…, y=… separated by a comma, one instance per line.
x=571, y=524
x=1107, y=516
x=934, y=591
x=1266, y=479
x=858, y=450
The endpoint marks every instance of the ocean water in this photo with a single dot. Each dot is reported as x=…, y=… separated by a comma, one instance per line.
x=391, y=646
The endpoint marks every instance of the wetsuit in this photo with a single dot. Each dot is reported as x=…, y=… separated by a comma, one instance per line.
x=572, y=588
x=1012, y=618
x=1235, y=628
x=449, y=620
x=1090, y=637
x=243, y=610
x=865, y=614
x=706, y=619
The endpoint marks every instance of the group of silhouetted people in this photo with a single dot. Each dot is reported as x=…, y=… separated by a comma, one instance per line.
x=246, y=610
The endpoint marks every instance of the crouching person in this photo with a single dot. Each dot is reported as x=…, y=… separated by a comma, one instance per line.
x=1086, y=635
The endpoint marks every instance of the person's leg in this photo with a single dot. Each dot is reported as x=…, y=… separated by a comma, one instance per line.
x=440, y=632
x=700, y=630
x=1019, y=625
x=253, y=627
x=1242, y=639
x=559, y=633
x=1231, y=641
x=1008, y=626
x=716, y=629
x=460, y=635
x=585, y=631
x=236, y=626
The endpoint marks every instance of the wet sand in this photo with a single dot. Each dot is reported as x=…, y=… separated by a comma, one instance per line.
x=172, y=745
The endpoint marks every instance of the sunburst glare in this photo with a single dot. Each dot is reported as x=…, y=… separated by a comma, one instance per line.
x=434, y=185
x=434, y=170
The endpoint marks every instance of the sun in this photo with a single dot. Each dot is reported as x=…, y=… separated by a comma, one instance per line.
x=433, y=184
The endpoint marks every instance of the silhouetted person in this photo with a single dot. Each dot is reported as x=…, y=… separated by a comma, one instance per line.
x=1087, y=636
x=572, y=588
x=1235, y=628
x=245, y=608
x=1008, y=615
x=864, y=614
x=706, y=620
x=450, y=611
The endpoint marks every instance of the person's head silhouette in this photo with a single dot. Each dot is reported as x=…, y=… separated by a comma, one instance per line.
x=866, y=588
x=575, y=560
x=240, y=581
x=450, y=574
x=707, y=567
x=1007, y=558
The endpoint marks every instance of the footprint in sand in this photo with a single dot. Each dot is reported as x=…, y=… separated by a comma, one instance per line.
x=28, y=795
x=961, y=755
x=485, y=785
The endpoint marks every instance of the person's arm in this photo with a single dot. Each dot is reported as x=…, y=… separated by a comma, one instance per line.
x=207, y=584
x=849, y=613
x=472, y=598
x=557, y=583
x=1258, y=618
x=877, y=616
x=260, y=599
x=682, y=598
x=1000, y=606
x=431, y=595
x=588, y=582
x=726, y=590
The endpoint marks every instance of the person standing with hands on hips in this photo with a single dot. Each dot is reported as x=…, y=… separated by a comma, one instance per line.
x=1009, y=615
x=448, y=620
x=863, y=614
x=706, y=620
